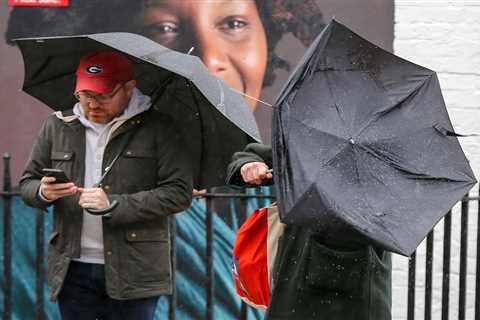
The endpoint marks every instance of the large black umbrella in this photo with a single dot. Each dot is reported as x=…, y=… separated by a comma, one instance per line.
x=363, y=146
x=215, y=119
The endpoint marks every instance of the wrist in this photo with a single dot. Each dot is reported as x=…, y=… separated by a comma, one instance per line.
x=42, y=196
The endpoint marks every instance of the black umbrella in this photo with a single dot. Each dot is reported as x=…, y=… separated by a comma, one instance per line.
x=363, y=145
x=215, y=119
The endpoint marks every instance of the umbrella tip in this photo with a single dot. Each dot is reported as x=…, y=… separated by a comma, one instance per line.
x=190, y=51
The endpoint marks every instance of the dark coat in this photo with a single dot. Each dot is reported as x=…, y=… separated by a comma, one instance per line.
x=152, y=179
x=317, y=279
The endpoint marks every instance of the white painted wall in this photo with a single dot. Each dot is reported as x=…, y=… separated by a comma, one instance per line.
x=444, y=36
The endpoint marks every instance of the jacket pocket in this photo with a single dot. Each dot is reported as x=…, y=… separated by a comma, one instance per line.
x=147, y=256
x=61, y=156
x=63, y=160
x=139, y=153
x=140, y=166
x=336, y=271
x=147, y=236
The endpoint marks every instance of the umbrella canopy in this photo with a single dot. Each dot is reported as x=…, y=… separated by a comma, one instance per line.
x=215, y=119
x=363, y=146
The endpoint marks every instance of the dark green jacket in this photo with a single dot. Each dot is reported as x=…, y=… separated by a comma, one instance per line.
x=319, y=279
x=152, y=179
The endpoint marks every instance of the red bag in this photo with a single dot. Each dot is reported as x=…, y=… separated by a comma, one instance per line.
x=254, y=253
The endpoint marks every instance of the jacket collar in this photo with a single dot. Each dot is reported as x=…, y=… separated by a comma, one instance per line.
x=66, y=116
x=72, y=120
x=127, y=125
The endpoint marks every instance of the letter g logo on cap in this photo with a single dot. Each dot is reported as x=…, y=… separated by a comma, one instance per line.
x=94, y=69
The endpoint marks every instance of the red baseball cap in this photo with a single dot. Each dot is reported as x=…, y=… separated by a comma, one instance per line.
x=100, y=71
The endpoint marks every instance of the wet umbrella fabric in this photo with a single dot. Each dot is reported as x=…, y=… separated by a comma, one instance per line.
x=215, y=119
x=363, y=146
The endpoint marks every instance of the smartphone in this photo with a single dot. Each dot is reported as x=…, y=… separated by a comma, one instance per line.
x=60, y=176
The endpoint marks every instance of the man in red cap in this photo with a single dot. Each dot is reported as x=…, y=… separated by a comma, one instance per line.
x=101, y=76
x=122, y=157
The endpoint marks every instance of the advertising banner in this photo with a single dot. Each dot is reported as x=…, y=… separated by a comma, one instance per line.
x=252, y=45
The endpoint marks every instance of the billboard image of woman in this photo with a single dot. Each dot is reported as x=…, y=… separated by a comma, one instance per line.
x=250, y=44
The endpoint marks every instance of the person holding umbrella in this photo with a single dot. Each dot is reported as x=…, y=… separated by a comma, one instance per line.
x=317, y=276
x=119, y=154
x=357, y=136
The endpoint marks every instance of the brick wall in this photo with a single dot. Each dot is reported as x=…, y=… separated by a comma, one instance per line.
x=444, y=36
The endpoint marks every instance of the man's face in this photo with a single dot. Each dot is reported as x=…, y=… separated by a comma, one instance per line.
x=102, y=108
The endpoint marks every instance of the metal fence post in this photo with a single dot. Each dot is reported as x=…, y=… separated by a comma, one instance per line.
x=210, y=287
x=428, y=277
x=463, y=260
x=173, y=257
x=172, y=306
x=411, y=286
x=477, y=274
x=244, y=306
x=447, y=238
x=7, y=237
x=39, y=264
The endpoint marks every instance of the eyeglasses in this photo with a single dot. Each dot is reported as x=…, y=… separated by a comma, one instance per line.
x=100, y=98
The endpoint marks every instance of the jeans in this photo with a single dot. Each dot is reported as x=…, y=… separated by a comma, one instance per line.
x=84, y=297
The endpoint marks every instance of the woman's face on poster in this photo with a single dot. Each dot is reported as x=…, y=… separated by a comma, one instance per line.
x=227, y=35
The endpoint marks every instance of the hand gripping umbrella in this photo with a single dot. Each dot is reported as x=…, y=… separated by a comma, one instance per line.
x=215, y=120
x=363, y=146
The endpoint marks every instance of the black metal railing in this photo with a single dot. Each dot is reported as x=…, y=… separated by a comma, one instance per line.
x=8, y=193
x=446, y=271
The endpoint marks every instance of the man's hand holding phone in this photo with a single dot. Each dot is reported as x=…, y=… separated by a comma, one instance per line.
x=54, y=185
